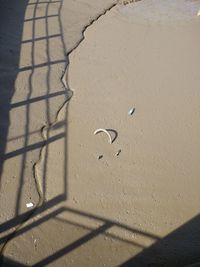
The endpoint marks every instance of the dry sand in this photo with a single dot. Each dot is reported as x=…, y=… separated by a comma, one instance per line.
x=140, y=208
x=35, y=38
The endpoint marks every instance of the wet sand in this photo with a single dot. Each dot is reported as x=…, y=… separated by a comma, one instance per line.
x=140, y=208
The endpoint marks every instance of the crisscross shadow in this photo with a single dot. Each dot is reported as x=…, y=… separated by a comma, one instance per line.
x=12, y=67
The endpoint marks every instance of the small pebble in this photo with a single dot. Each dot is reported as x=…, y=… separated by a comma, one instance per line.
x=100, y=157
x=131, y=111
x=118, y=152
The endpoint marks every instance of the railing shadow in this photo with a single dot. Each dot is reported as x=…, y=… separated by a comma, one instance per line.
x=14, y=227
x=179, y=248
x=12, y=20
x=12, y=28
x=11, y=24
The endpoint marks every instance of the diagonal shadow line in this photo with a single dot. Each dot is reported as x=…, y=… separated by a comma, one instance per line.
x=22, y=217
x=41, y=38
x=32, y=147
x=106, y=234
x=32, y=225
x=53, y=214
x=44, y=2
x=74, y=245
x=47, y=205
x=179, y=248
x=45, y=64
x=36, y=99
x=43, y=17
x=89, y=215
x=22, y=135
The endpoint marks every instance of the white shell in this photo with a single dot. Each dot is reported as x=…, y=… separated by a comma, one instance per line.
x=106, y=132
x=29, y=205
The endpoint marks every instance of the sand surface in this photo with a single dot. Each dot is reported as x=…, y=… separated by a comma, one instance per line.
x=36, y=37
x=140, y=208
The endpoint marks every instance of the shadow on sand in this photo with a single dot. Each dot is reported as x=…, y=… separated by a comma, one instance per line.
x=179, y=248
x=11, y=24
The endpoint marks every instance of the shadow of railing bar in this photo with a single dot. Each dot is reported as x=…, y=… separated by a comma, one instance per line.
x=43, y=17
x=39, y=210
x=73, y=245
x=22, y=136
x=36, y=99
x=44, y=2
x=52, y=216
x=32, y=225
x=33, y=146
x=46, y=64
x=47, y=205
x=41, y=38
x=121, y=225
x=106, y=234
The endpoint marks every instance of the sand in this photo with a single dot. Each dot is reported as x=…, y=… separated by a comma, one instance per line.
x=36, y=37
x=140, y=208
